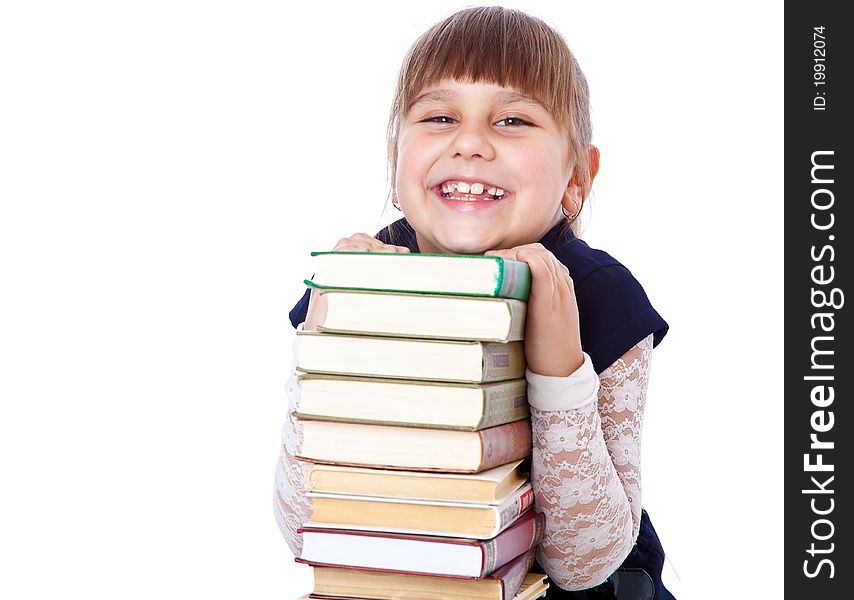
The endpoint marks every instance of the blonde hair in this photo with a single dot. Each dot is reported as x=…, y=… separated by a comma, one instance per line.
x=509, y=48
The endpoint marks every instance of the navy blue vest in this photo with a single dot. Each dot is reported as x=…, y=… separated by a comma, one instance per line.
x=615, y=314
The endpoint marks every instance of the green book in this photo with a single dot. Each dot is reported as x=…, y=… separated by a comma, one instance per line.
x=455, y=274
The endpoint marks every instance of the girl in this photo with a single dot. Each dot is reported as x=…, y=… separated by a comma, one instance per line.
x=489, y=148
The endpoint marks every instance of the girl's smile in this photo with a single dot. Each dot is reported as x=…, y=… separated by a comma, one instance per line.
x=462, y=194
x=480, y=167
x=458, y=189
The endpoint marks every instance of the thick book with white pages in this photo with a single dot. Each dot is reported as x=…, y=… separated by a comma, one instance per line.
x=412, y=403
x=492, y=486
x=533, y=586
x=415, y=448
x=423, y=315
x=409, y=358
x=502, y=584
x=429, y=517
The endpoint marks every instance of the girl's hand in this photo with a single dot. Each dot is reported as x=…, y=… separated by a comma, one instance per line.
x=552, y=331
x=362, y=242
x=358, y=242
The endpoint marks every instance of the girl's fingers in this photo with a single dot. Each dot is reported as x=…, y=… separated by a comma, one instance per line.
x=544, y=259
x=544, y=266
x=550, y=277
x=563, y=290
x=545, y=270
x=561, y=272
x=509, y=253
x=362, y=242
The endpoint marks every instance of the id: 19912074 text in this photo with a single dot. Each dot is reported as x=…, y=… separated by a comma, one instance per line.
x=819, y=67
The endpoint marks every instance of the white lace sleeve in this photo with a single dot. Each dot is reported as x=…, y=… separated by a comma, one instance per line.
x=586, y=475
x=290, y=505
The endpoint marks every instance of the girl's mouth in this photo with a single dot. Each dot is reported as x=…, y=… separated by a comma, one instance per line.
x=465, y=191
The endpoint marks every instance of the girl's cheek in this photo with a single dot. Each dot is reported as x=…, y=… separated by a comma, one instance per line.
x=412, y=160
x=404, y=135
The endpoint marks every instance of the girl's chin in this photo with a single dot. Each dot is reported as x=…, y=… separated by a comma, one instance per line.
x=457, y=236
x=466, y=245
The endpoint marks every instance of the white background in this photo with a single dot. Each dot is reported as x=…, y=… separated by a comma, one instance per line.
x=165, y=169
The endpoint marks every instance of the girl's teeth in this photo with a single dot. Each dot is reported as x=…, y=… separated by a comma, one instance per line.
x=462, y=187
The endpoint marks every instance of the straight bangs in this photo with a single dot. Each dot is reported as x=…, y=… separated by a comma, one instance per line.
x=485, y=45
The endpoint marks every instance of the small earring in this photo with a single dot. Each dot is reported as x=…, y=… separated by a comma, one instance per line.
x=566, y=214
x=394, y=202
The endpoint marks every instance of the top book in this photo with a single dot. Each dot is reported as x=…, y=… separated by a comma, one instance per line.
x=457, y=274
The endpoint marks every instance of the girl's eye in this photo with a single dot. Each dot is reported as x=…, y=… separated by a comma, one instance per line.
x=505, y=122
x=513, y=122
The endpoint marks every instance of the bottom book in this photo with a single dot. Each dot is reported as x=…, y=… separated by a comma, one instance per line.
x=533, y=586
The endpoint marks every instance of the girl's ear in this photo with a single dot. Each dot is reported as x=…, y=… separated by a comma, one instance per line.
x=571, y=201
x=593, y=161
x=573, y=196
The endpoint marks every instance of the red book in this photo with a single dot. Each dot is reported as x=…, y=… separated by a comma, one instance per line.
x=420, y=554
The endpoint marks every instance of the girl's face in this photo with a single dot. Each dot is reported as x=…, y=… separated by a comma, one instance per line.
x=460, y=146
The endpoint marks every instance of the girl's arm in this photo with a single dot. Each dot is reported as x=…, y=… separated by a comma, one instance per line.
x=586, y=466
x=586, y=453
x=290, y=505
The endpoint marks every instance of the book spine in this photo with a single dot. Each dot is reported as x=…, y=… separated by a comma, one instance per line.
x=503, y=404
x=514, y=279
x=513, y=574
x=503, y=361
x=505, y=443
x=512, y=542
x=518, y=314
x=511, y=512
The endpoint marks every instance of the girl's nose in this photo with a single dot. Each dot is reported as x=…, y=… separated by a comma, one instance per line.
x=472, y=141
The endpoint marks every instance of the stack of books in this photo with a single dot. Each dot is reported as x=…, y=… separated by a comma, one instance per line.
x=415, y=422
